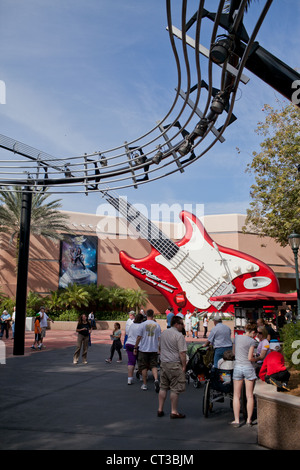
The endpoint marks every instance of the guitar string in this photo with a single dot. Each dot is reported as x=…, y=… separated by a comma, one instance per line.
x=193, y=272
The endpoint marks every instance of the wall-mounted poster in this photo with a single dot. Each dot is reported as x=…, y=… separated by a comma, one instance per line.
x=78, y=261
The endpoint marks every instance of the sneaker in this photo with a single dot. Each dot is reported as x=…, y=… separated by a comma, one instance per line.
x=275, y=382
x=177, y=416
x=129, y=381
x=107, y=360
x=156, y=385
x=32, y=347
x=84, y=362
x=119, y=360
x=144, y=387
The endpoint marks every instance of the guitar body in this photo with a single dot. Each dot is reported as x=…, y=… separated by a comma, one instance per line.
x=199, y=270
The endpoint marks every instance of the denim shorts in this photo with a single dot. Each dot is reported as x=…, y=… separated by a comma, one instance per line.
x=244, y=372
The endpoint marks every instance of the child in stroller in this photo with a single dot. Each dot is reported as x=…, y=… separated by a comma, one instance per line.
x=198, y=364
x=219, y=384
x=221, y=378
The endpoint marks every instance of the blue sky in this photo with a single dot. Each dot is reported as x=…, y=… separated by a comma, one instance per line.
x=88, y=75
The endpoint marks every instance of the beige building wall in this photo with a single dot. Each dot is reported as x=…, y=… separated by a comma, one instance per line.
x=226, y=230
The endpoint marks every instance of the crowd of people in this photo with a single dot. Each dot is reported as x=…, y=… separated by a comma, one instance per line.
x=40, y=326
x=252, y=355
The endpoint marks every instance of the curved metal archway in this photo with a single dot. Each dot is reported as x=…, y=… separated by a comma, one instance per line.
x=195, y=121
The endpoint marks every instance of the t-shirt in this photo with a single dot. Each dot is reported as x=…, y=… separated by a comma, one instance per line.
x=169, y=318
x=242, y=344
x=5, y=317
x=172, y=343
x=43, y=321
x=225, y=365
x=128, y=325
x=133, y=333
x=150, y=332
x=37, y=328
x=220, y=336
x=86, y=330
x=272, y=364
x=263, y=346
x=116, y=335
x=271, y=332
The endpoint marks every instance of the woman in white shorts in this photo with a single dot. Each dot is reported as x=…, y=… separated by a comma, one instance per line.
x=243, y=349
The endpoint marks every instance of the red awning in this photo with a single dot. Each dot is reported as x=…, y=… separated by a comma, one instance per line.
x=255, y=296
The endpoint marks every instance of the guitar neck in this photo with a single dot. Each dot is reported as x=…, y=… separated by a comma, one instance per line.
x=166, y=247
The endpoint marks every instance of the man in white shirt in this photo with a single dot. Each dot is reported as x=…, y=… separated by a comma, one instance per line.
x=147, y=347
x=128, y=324
x=172, y=366
x=44, y=323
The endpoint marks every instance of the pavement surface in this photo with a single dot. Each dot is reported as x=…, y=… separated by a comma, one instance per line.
x=47, y=403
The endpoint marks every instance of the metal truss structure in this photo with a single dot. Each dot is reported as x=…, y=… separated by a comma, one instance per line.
x=196, y=120
x=194, y=123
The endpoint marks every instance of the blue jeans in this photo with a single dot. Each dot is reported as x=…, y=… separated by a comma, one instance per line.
x=219, y=354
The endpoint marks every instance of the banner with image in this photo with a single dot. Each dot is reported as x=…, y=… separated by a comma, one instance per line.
x=78, y=260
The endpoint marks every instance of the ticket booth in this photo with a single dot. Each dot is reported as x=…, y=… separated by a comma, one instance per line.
x=246, y=313
x=251, y=306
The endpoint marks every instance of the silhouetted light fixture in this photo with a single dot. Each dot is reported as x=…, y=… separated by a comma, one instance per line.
x=157, y=157
x=140, y=159
x=201, y=127
x=103, y=161
x=221, y=49
x=294, y=242
x=67, y=171
x=219, y=102
x=185, y=147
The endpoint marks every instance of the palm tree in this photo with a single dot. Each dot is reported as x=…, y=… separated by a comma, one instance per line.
x=46, y=219
x=75, y=296
x=54, y=302
x=228, y=3
x=34, y=302
x=117, y=297
x=137, y=298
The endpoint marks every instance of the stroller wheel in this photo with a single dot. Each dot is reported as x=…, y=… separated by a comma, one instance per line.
x=197, y=383
x=207, y=403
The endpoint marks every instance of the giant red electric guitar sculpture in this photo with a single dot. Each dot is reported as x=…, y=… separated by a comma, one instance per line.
x=194, y=269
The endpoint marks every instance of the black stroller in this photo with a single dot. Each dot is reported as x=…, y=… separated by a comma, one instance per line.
x=198, y=364
x=218, y=385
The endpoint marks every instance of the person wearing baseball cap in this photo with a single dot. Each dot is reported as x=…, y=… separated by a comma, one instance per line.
x=273, y=370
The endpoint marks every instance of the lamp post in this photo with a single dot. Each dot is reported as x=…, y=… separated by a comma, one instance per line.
x=294, y=241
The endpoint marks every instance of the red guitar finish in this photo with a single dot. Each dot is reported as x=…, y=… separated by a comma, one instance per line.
x=188, y=273
x=243, y=273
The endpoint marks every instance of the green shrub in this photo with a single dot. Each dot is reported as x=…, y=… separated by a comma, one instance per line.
x=68, y=315
x=291, y=343
x=111, y=316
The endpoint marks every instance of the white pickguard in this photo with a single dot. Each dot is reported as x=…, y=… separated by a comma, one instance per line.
x=200, y=268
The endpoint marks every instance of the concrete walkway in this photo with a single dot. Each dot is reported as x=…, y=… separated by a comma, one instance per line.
x=48, y=403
